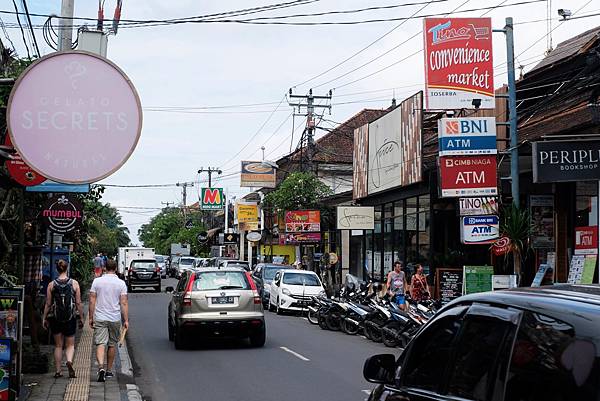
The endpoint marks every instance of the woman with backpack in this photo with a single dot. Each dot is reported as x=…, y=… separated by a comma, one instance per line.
x=63, y=305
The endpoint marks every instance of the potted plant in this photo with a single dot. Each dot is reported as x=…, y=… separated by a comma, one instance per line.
x=516, y=226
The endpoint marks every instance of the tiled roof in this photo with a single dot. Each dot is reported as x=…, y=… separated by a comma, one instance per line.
x=569, y=48
x=336, y=146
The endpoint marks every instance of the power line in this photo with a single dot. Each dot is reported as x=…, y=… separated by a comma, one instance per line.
x=22, y=31
x=37, y=49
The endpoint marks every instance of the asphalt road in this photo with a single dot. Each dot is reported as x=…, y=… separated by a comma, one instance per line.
x=299, y=362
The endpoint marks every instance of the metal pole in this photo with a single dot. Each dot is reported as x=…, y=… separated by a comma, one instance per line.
x=21, y=225
x=65, y=25
x=512, y=110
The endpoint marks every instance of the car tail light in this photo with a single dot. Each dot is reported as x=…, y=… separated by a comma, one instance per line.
x=257, y=300
x=187, y=295
x=157, y=268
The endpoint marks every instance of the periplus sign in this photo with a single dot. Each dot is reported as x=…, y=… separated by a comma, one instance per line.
x=458, y=63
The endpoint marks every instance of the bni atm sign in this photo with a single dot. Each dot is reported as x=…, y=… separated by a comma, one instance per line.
x=467, y=136
x=212, y=199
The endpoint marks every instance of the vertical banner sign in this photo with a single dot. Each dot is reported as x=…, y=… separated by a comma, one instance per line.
x=212, y=199
x=467, y=136
x=360, y=162
x=459, y=66
x=74, y=117
x=468, y=176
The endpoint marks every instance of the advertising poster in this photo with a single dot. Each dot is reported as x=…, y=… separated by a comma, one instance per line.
x=478, y=206
x=303, y=221
x=589, y=268
x=477, y=279
x=459, y=65
x=462, y=176
x=302, y=238
x=576, y=269
x=6, y=358
x=257, y=174
x=539, y=276
x=541, y=209
x=360, y=162
x=586, y=240
x=465, y=136
x=247, y=213
x=9, y=317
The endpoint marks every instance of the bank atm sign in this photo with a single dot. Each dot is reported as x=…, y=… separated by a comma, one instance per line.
x=479, y=229
x=467, y=136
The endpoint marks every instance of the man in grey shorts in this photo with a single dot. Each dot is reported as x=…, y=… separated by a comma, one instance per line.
x=108, y=307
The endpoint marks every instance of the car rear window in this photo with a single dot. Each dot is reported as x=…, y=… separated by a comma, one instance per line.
x=301, y=279
x=159, y=259
x=269, y=271
x=186, y=261
x=143, y=265
x=210, y=281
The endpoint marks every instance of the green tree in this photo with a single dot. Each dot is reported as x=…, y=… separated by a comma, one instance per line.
x=167, y=228
x=300, y=190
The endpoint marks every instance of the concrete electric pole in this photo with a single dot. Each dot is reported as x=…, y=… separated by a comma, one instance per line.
x=308, y=102
x=185, y=185
x=65, y=25
x=210, y=171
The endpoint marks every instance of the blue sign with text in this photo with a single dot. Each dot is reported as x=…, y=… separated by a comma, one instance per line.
x=467, y=136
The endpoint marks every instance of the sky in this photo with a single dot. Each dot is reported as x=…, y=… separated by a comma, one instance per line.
x=195, y=66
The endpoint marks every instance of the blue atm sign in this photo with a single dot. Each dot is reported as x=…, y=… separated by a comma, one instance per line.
x=467, y=136
x=479, y=229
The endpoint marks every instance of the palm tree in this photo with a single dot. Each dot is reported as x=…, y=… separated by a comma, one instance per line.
x=516, y=226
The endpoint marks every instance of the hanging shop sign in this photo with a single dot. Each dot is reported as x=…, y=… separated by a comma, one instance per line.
x=395, y=147
x=212, y=199
x=247, y=212
x=478, y=206
x=477, y=279
x=253, y=236
x=468, y=176
x=20, y=171
x=303, y=221
x=62, y=214
x=302, y=238
x=501, y=246
x=257, y=174
x=586, y=240
x=541, y=210
x=556, y=161
x=467, y=136
x=74, y=117
x=202, y=237
x=251, y=226
x=458, y=63
x=476, y=230
x=355, y=218
x=231, y=239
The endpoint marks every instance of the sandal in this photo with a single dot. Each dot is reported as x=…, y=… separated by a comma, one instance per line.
x=57, y=375
x=71, y=370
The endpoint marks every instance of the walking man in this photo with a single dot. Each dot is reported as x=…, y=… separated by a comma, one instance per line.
x=63, y=304
x=108, y=307
x=99, y=265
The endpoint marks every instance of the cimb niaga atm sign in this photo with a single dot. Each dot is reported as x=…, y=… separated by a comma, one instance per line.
x=468, y=176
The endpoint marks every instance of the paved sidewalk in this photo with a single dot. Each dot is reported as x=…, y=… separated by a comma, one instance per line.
x=85, y=387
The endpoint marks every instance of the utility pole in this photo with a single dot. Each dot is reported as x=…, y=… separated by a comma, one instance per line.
x=512, y=111
x=185, y=185
x=308, y=102
x=65, y=25
x=210, y=171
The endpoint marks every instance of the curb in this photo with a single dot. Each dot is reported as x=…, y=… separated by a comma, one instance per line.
x=133, y=393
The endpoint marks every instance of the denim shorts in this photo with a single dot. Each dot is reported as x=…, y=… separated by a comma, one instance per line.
x=399, y=299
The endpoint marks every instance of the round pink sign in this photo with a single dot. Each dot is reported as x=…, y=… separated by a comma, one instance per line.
x=74, y=117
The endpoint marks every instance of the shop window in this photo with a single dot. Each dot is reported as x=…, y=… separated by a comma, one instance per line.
x=378, y=245
x=424, y=235
x=369, y=252
x=411, y=233
x=424, y=203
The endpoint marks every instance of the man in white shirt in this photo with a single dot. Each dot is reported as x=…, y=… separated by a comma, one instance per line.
x=108, y=307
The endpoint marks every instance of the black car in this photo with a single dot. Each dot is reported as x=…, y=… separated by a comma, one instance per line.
x=526, y=344
x=143, y=273
x=263, y=275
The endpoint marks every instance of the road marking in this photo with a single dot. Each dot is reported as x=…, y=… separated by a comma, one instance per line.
x=297, y=355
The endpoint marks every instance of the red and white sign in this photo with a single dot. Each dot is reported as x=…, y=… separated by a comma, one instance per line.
x=586, y=240
x=74, y=117
x=501, y=246
x=20, y=171
x=468, y=176
x=459, y=66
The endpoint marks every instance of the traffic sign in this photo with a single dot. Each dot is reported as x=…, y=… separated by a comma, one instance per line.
x=230, y=238
x=202, y=237
x=189, y=223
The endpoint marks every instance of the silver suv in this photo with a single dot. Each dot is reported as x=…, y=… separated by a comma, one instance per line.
x=215, y=302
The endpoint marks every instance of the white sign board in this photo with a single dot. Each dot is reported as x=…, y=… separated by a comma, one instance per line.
x=502, y=282
x=478, y=206
x=479, y=229
x=355, y=218
x=385, y=153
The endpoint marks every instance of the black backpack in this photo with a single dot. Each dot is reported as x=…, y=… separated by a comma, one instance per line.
x=63, y=297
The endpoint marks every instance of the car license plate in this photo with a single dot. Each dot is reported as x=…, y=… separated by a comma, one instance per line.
x=222, y=300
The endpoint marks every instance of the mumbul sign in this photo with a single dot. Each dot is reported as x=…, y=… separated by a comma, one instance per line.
x=555, y=161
